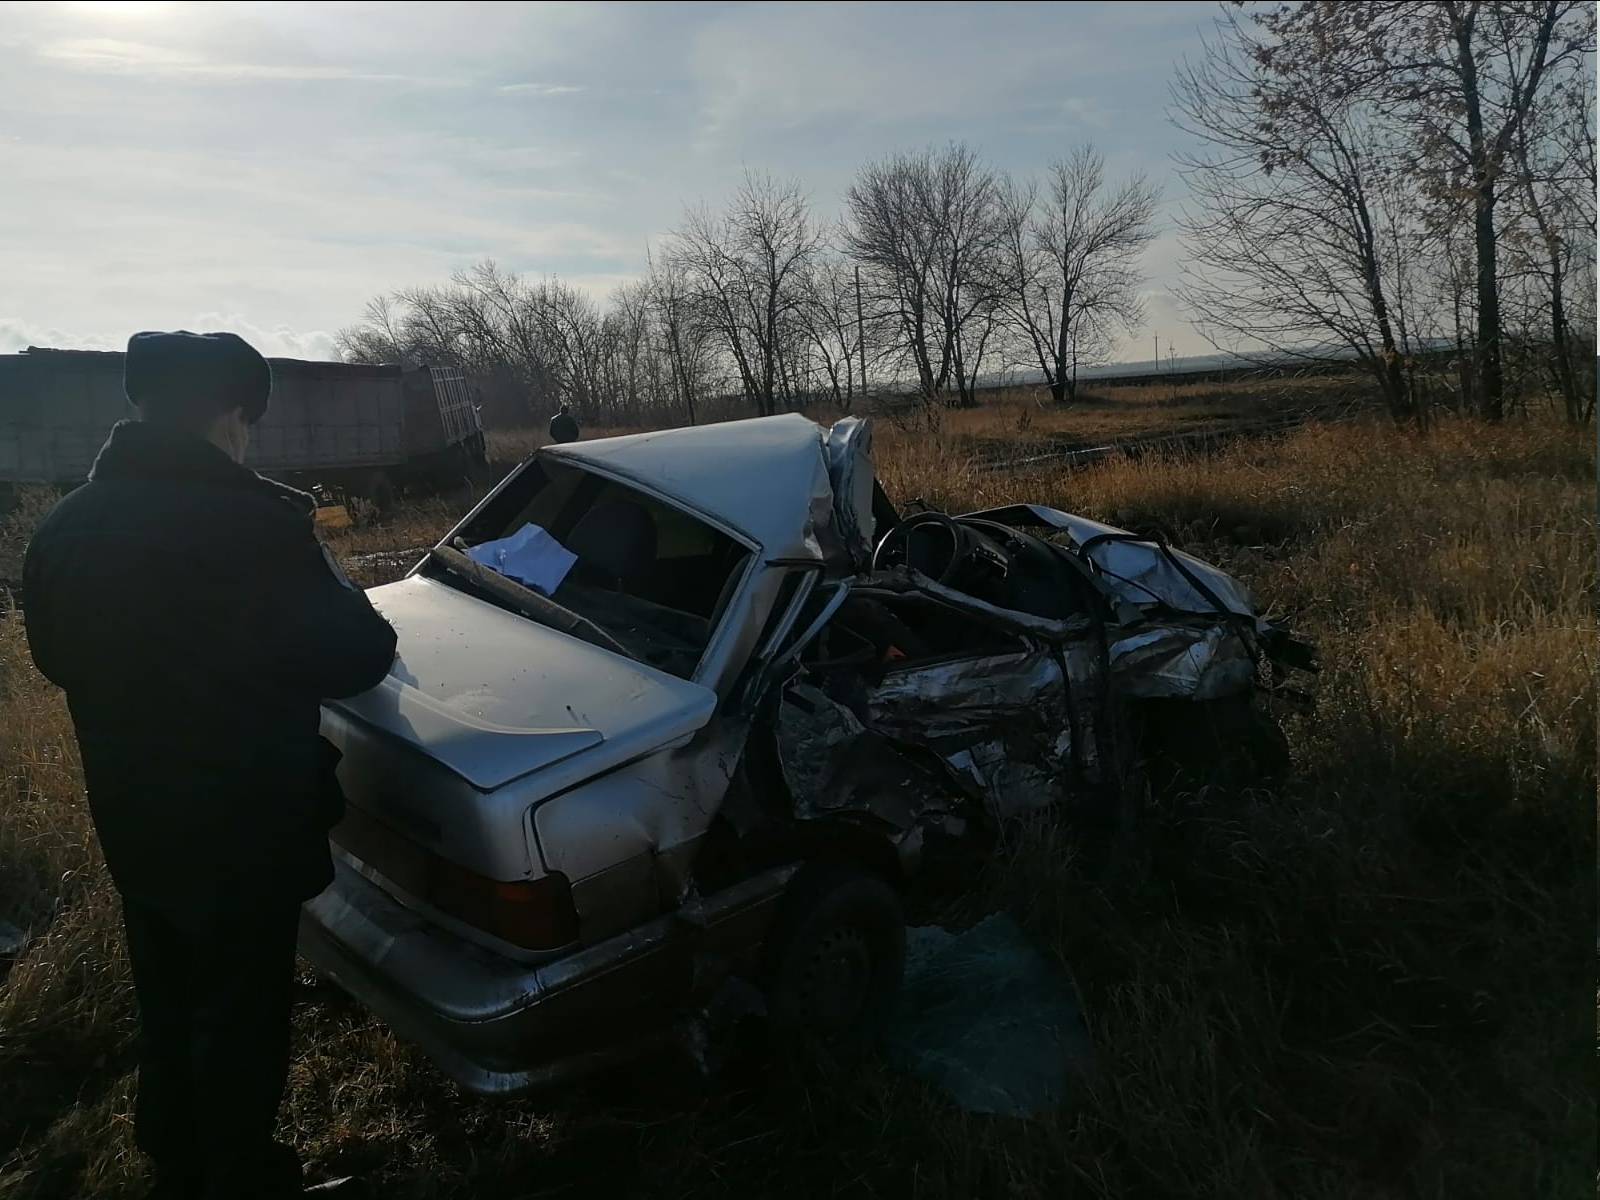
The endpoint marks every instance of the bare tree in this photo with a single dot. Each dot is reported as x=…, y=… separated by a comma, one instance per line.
x=571, y=324
x=379, y=337
x=1454, y=290
x=1295, y=207
x=504, y=334
x=543, y=342
x=1463, y=76
x=830, y=321
x=679, y=335
x=748, y=267
x=625, y=368
x=926, y=228
x=1071, y=264
x=1553, y=164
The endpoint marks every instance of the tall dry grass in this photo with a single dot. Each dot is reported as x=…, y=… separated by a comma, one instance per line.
x=1370, y=984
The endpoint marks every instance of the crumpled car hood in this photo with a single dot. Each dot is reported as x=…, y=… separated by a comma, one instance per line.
x=1138, y=571
x=1193, y=627
x=494, y=697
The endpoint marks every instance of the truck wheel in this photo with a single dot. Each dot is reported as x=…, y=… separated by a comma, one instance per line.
x=834, y=959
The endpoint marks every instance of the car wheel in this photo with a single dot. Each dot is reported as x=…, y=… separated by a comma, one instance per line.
x=834, y=959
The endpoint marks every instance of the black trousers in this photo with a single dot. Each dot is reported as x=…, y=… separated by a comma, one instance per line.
x=214, y=1051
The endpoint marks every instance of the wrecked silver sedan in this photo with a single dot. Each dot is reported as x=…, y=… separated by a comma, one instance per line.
x=676, y=715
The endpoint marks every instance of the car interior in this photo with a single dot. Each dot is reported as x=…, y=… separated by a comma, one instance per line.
x=652, y=576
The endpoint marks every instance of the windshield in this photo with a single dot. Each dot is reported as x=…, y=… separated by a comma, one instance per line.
x=652, y=576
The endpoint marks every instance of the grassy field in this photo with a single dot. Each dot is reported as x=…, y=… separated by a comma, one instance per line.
x=1372, y=984
x=1022, y=418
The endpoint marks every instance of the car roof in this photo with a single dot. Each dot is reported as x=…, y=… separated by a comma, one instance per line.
x=765, y=477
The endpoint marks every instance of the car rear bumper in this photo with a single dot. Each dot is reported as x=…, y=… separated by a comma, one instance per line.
x=499, y=1027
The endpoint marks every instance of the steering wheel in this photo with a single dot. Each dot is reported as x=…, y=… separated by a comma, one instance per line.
x=960, y=543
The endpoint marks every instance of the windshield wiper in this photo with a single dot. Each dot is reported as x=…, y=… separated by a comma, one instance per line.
x=524, y=601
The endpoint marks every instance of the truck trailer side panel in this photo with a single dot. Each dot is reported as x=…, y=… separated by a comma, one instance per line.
x=57, y=408
x=330, y=416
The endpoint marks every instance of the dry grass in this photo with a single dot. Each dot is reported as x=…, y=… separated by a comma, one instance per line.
x=1024, y=420
x=1369, y=985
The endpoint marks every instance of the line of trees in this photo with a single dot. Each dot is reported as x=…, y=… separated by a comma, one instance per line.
x=941, y=270
x=1390, y=180
x=1392, y=176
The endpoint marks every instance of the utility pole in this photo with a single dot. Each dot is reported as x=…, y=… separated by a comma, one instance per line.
x=1158, y=354
x=861, y=334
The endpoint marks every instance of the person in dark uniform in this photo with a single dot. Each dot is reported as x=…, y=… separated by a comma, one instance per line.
x=195, y=622
x=563, y=428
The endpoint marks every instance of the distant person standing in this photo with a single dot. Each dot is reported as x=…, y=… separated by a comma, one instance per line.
x=563, y=428
x=186, y=607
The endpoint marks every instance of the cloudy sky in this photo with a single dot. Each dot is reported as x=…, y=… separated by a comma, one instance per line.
x=269, y=167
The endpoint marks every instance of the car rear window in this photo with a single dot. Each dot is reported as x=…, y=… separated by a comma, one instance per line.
x=653, y=576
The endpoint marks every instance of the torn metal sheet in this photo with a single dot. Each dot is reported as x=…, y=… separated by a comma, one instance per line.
x=1139, y=571
x=1173, y=662
x=833, y=765
x=1086, y=701
x=1009, y=785
x=905, y=581
x=1000, y=719
x=848, y=446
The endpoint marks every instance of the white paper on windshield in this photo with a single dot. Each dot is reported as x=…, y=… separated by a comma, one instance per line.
x=530, y=556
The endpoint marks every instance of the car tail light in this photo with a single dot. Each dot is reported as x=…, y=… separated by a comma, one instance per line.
x=533, y=914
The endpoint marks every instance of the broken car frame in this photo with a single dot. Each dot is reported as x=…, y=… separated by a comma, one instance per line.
x=684, y=761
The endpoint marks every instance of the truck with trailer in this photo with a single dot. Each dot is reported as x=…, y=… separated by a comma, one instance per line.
x=339, y=429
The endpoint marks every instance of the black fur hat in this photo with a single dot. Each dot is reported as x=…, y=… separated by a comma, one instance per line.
x=183, y=370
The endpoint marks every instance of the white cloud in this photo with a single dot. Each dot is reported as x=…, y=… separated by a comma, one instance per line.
x=17, y=334
x=538, y=89
x=142, y=59
x=277, y=165
x=281, y=341
x=305, y=239
x=864, y=61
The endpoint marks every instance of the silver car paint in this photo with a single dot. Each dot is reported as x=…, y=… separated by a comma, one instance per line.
x=495, y=697
x=492, y=1024
x=578, y=760
x=767, y=477
x=620, y=817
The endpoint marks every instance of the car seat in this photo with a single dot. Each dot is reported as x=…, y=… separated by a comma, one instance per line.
x=615, y=542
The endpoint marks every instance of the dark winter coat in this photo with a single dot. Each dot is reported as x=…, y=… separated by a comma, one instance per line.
x=563, y=428
x=195, y=622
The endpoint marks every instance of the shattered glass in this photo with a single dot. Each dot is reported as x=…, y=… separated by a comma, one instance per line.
x=833, y=764
x=989, y=1021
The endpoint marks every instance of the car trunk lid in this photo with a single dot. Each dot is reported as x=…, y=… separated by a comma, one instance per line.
x=494, y=697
